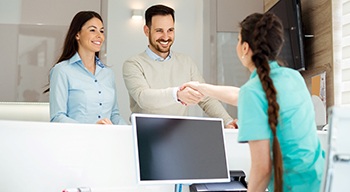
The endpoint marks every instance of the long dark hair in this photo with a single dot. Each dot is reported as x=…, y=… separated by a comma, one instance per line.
x=70, y=46
x=264, y=34
x=158, y=10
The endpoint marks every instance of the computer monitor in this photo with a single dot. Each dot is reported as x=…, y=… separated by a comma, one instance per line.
x=179, y=150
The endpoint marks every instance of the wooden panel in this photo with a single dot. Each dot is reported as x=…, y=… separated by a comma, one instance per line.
x=268, y=4
x=317, y=20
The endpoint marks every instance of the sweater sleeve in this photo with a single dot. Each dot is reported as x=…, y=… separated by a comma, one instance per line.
x=139, y=89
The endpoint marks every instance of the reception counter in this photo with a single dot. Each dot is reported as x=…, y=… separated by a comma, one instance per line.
x=41, y=157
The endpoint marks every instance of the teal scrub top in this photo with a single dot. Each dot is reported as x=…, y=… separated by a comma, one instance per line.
x=303, y=157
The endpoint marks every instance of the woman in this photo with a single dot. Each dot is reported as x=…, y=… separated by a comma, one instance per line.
x=275, y=112
x=82, y=89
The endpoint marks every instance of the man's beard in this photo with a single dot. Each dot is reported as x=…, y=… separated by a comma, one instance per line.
x=159, y=48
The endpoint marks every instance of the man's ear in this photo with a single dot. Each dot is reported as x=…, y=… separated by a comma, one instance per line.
x=146, y=30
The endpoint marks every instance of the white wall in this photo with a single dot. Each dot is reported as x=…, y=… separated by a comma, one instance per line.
x=341, y=50
x=125, y=37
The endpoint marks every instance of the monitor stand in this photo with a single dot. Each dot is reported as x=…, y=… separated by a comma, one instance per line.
x=178, y=187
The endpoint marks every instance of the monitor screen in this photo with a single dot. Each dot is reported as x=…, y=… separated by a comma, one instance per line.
x=292, y=53
x=179, y=150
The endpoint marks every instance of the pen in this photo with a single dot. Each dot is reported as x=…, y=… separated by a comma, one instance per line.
x=79, y=189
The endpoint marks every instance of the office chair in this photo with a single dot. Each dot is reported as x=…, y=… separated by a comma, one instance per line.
x=337, y=168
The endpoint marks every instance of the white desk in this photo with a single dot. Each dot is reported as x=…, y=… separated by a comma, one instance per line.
x=41, y=157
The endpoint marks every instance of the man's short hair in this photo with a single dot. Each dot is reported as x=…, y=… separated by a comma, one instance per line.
x=158, y=10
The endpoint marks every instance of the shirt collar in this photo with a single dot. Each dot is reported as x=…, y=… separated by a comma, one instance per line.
x=156, y=57
x=76, y=59
x=273, y=65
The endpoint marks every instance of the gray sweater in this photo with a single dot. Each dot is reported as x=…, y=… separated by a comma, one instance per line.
x=150, y=85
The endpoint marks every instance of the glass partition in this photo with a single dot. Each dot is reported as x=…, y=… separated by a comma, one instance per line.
x=229, y=68
x=33, y=33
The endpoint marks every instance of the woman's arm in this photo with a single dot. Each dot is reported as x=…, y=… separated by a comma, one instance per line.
x=261, y=165
x=59, y=96
x=226, y=94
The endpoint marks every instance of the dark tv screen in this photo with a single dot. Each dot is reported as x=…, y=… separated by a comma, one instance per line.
x=179, y=150
x=292, y=53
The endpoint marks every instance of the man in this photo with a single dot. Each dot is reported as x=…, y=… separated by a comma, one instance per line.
x=153, y=77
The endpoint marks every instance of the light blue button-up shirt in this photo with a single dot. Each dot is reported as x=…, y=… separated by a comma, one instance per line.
x=78, y=96
x=156, y=57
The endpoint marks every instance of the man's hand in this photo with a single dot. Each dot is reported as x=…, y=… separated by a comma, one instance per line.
x=232, y=125
x=192, y=84
x=189, y=96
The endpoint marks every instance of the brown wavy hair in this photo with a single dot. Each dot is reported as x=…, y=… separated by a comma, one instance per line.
x=264, y=34
x=70, y=46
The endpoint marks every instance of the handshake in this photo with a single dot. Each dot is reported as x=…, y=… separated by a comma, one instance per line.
x=193, y=92
x=190, y=93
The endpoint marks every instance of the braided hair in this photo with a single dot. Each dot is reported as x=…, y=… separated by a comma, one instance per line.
x=264, y=34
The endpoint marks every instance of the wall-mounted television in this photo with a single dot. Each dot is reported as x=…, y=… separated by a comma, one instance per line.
x=292, y=53
x=179, y=150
